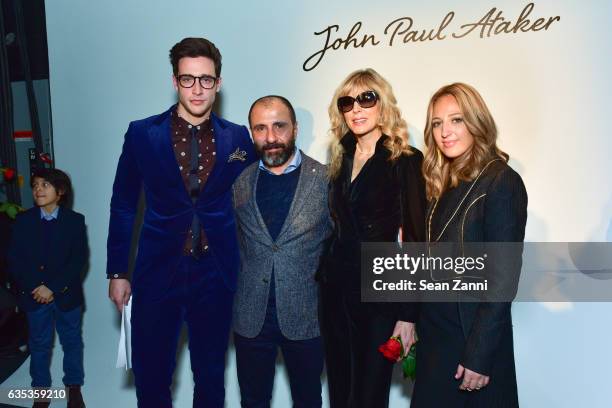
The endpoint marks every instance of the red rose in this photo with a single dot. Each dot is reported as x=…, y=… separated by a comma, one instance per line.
x=392, y=349
x=9, y=174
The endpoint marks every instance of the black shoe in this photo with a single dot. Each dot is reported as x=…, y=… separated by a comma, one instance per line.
x=75, y=399
x=41, y=405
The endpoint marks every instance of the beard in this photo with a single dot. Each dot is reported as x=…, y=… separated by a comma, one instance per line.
x=277, y=158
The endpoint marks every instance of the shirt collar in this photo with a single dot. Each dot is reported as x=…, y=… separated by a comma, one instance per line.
x=293, y=164
x=349, y=143
x=185, y=124
x=49, y=217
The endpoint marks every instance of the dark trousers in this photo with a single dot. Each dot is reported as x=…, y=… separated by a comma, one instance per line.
x=42, y=322
x=256, y=362
x=357, y=373
x=198, y=297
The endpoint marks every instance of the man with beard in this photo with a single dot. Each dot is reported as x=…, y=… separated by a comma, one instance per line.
x=283, y=221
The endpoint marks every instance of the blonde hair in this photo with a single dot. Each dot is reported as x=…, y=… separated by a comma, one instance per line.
x=441, y=173
x=390, y=120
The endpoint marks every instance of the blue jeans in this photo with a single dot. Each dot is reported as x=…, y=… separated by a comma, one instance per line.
x=42, y=322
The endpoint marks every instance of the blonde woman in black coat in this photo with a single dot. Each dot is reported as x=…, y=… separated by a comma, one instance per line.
x=465, y=353
x=376, y=190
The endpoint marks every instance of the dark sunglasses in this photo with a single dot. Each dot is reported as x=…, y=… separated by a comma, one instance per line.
x=365, y=99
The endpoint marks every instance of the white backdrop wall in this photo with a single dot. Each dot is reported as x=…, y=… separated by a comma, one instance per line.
x=548, y=91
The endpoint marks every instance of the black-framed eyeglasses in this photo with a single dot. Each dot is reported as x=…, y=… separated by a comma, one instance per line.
x=365, y=99
x=187, y=81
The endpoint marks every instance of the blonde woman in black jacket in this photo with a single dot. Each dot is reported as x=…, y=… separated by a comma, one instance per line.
x=376, y=190
x=465, y=353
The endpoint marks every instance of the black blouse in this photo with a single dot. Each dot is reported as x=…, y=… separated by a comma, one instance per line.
x=384, y=196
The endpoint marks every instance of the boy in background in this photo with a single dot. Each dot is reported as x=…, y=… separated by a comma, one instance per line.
x=47, y=256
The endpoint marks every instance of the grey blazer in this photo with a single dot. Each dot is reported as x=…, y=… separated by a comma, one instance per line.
x=294, y=255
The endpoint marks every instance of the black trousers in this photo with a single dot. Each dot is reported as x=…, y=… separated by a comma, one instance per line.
x=357, y=373
x=256, y=363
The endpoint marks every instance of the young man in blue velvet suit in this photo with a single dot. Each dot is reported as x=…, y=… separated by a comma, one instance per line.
x=47, y=256
x=283, y=222
x=186, y=160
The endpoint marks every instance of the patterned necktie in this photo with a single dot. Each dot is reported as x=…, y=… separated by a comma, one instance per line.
x=194, y=190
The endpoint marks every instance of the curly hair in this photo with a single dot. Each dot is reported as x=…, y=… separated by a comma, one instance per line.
x=441, y=173
x=60, y=182
x=390, y=121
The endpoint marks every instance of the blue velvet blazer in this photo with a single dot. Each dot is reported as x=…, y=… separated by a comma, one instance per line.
x=148, y=162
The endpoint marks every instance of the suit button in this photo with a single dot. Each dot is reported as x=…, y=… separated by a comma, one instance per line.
x=275, y=248
x=41, y=267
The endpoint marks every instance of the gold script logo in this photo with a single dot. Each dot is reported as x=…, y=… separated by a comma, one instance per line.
x=402, y=31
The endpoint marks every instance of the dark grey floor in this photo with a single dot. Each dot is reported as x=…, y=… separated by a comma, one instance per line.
x=9, y=364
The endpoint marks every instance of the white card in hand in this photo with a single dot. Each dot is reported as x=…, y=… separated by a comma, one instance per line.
x=124, y=352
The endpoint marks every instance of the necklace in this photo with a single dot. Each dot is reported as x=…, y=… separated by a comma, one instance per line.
x=368, y=153
x=429, y=220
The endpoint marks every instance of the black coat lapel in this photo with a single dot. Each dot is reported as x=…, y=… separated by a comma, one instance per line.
x=453, y=203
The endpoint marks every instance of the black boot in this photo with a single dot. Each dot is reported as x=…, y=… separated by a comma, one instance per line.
x=75, y=399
